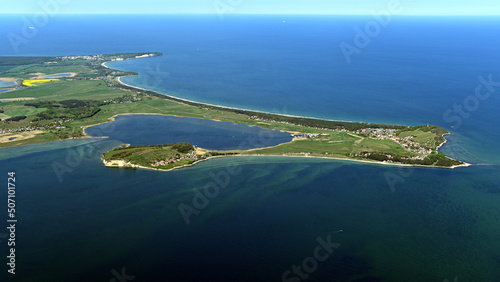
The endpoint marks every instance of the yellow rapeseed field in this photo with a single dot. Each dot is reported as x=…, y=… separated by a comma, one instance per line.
x=35, y=82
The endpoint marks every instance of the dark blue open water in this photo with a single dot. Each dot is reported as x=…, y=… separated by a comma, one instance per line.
x=78, y=220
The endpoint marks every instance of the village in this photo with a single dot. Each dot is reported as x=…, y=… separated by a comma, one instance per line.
x=405, y=142
x=189, y=156
x=53, y=125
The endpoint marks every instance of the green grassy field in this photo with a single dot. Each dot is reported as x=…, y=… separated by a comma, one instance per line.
x=28, y=71
x=337, y=144
x=48, y=70
x=146, y=155
x=17, y=71
x=429, y=136
x=64, y=90
x=23, y=111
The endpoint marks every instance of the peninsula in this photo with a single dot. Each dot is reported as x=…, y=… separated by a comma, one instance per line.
x=56, y=98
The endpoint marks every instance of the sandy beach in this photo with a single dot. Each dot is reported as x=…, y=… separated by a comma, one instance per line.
x=18, y=136
x=16, y=99
x=44, y=76
x=8, y=79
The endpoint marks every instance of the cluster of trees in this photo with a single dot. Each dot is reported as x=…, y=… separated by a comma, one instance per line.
x=213, y=153
x=74, y=108
x=124, y=154
x=73, y=103
x=173, y=145
x=121, y=152
x=42, y=104
x=377, y=157
x=180, y=147
x=437, y=159
x=16, y=61
x=16, y=118
x=67, y=109
x=183, y=147
x=65, y=113
x=425, y=128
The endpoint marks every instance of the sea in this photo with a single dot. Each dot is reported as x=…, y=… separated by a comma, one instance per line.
x=266, y=218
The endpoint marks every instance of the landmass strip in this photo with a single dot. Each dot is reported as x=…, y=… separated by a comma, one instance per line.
x=56, y=98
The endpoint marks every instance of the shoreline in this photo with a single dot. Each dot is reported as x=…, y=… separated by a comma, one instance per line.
x=113, y=118
x=119, y=80
x=10, y=88
x=134, y=166
x=8, y=79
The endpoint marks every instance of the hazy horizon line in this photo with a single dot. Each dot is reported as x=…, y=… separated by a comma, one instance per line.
x=259, y=14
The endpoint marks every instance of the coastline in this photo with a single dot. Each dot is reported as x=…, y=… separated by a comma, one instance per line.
x=8, y=89
x=246, y=153
x=112, y=119
x=128, y=165
x=119, y=80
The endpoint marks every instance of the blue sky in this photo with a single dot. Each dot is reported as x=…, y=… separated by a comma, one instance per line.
x=342, y=7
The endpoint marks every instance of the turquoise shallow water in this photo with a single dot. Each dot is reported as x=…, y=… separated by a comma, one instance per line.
x=79, y=220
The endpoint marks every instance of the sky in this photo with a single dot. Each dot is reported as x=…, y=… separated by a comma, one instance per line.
x=334, y=7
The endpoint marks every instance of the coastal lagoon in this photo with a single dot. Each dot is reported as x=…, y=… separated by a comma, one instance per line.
x=207, y=134
x=6, y=84
x=79, y=220
x=59, y=75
